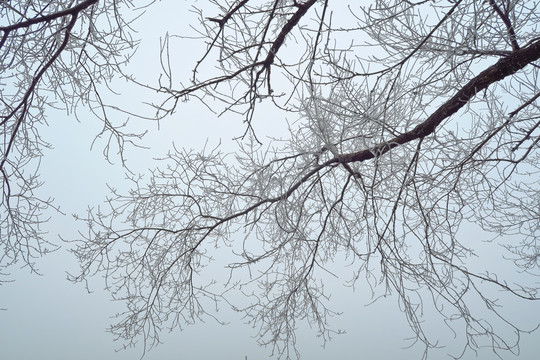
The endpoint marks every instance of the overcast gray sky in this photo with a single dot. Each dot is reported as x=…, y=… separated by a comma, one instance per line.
x=48, y=318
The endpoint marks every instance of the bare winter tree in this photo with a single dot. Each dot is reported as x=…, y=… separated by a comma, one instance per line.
x=53, y=55
x=411, y=117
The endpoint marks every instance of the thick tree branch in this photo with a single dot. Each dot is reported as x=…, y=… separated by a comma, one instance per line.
x=71, y=11
x=504, y=67
x=280, y=39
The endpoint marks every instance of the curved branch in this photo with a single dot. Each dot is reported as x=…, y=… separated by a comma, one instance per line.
x=71, y=11
x=504, y=67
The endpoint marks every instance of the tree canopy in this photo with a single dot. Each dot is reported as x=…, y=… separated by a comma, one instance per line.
x=406, y=120
x=54, y=55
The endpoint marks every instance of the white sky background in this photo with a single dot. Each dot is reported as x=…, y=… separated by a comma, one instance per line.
x=50, y=318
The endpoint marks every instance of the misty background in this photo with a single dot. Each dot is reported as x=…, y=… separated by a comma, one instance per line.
x=46, y=317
